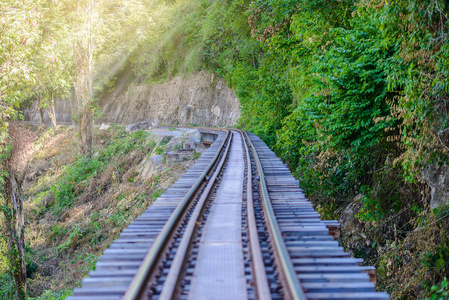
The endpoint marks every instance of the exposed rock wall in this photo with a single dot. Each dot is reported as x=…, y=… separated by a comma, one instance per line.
x=437, y=177
x=202, y=99
x=62, y=109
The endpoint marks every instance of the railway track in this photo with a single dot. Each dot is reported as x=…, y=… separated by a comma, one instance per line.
x=235, y=226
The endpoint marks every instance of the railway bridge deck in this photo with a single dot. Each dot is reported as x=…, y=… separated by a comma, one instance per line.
x=235, y=226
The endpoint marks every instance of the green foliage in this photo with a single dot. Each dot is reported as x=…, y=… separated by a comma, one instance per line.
x=372, y=209
x=419, y=71
x=76, y=234
x=118, y=218
x=196, y=155
x=31, y=265
x=436, y=261
x=18, y=39
x=440, y=291
x=76, y=176
x=353, y=95
x=7, y=286
x=268, y=102
x=80, y=172
x=160, y=150
x=50, y=295
x=350, y=101
x=19, y=35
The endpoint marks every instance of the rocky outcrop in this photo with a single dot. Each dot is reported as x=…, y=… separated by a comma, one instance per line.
x=150, y=165
x=358, y=237
x=142, y=125
x=437, y=177
x=352, y=229
x=63, y=111
x=202, y=99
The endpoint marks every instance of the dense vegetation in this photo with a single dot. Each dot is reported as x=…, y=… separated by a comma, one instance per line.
x=76, y=206
x=48, y=50
x=353, y=95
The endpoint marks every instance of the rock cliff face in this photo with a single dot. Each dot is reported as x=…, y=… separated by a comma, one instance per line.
x=202, y=99
x=437, y=177
x=63, y=113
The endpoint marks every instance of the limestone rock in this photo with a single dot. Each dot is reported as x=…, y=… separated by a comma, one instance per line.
x=174, y=144
x=349, y=224
x=202, y=99
x=179, y=156
x=358, y=236
x=63, y=109
x=150, y=166
x=104, y=126
x=437, y=177
x=142, y=125
x=352, y=230
x=189, y=145
x=155, y=123
x=194, y=136
x=216, y=111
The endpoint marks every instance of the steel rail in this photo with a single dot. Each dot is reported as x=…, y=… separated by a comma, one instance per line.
x=291, y=285
x=257, y=265
x=174, y=274
x=139, y=284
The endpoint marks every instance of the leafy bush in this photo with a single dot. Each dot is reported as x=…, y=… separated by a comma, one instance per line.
x=7, y=287
x=75, y=177
x=440, y=291
x=50, y=295
x=65, y=190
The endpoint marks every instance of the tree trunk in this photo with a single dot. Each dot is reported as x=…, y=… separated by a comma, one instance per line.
x=15, y=224
x=83, y=100
x=86, y=130
x=84, y=81
x=41, y=115
x=52, y=113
